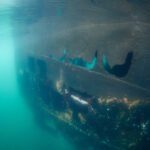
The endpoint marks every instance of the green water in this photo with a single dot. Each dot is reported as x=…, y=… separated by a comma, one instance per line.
x=18, y=130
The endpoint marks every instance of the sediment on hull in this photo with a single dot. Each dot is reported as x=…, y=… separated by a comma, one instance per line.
x=111, y=119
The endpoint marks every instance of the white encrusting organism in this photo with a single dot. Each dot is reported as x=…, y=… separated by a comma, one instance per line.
x=81, y=101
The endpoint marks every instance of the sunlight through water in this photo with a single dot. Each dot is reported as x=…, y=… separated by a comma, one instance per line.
x=18, y=131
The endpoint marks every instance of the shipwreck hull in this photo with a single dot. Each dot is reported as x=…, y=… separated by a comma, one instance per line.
x=116, y=115
x=81, y=79
x=108, y=112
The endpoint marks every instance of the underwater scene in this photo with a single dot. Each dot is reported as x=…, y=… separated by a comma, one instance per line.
x=74, y=75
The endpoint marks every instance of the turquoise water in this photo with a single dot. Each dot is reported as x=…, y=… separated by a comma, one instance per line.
x=18, y=130
x=116, y=122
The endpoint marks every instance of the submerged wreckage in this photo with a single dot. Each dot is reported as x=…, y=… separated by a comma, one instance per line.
x=90, y=72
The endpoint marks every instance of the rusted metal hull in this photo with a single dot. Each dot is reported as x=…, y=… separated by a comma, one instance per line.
x=108, y=111
x=116, y=115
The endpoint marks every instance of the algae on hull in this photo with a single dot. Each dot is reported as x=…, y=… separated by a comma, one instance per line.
x=114, y=122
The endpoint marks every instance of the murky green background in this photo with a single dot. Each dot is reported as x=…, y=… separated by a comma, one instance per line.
x=18, y=130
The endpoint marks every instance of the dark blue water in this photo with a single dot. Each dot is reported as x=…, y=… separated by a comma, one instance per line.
x=18, y=130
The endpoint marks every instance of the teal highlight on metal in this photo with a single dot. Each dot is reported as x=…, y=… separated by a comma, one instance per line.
x=92, y=65
x=62, y=59
x=83, y=63
x=119, y=70
x=106, y=65
x=77, y=61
